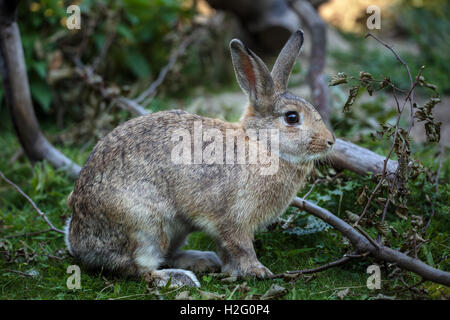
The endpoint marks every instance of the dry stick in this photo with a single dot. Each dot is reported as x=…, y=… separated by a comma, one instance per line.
x=18, y=96
x=162, y=74
x=293, y=274
x=367, y=236
x=362, y=244
x=27, y=234
x=52, y=227
x=321, y=180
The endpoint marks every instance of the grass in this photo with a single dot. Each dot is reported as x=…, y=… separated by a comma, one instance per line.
x=34, y=266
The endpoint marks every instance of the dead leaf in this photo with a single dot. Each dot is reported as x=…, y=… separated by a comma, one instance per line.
x=184, y=295
x=229, y=279
x=274, y=292
x=343, y=293
x=211, y=295
x=253, y=297
x=384, y=297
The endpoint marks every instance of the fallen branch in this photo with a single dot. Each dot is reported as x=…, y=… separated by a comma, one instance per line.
x=362, y=244
x=18, y=97
x=296, y=273
x=347, y=155
x=52, y=227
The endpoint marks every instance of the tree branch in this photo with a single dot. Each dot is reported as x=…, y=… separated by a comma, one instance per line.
x=347, y=155
x=296, y=273
x=361, y=244
x=18, y=98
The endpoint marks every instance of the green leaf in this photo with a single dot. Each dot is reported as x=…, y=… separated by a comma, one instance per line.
x=41, y=68
x=42, y=93
x=428, y=255
x=138, y=64
x=125, y=32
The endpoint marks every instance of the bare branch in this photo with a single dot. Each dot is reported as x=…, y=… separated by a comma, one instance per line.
x=27, y=234
x=150, y=91
x=35, y=207
x=347, y=155
x=296, y=273
x=411, y=91
x=18, y=97
x=361, y=244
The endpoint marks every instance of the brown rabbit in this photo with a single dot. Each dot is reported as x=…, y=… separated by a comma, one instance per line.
x=133, y=205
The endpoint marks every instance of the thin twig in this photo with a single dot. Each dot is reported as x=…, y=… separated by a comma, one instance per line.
x=27, y=234
x=321, y=180
x=21, y=273
x=362, y=255
x=150, y=91
x=52, y=227
x=368, y=237
x=293, y=274
x=411, y=95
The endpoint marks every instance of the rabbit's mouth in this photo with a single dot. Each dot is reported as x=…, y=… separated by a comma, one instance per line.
x=306, y=158
x=319, y=150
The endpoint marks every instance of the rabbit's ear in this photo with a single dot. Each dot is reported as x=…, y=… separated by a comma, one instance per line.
x=285, y=61
x=252, y=74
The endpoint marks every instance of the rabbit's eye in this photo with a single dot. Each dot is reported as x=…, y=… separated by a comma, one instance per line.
x=292, y=117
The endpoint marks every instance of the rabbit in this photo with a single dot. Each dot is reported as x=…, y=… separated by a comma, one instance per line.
x=133, y=207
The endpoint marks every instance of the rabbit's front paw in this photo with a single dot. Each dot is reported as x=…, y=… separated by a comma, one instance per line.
x=258, y=271
x=253, y=270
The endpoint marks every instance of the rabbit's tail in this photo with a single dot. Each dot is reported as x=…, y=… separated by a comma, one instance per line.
x=67, y=225
x=70, y=200
x=66, y=234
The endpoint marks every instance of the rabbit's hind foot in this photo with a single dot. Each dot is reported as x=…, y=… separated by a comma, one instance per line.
x=195, y=260
x=177, y=277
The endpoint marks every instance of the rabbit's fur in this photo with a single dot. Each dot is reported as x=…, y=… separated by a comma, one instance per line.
x=133, y=207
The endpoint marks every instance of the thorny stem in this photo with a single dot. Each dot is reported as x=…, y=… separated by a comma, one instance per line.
x=399, y=115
